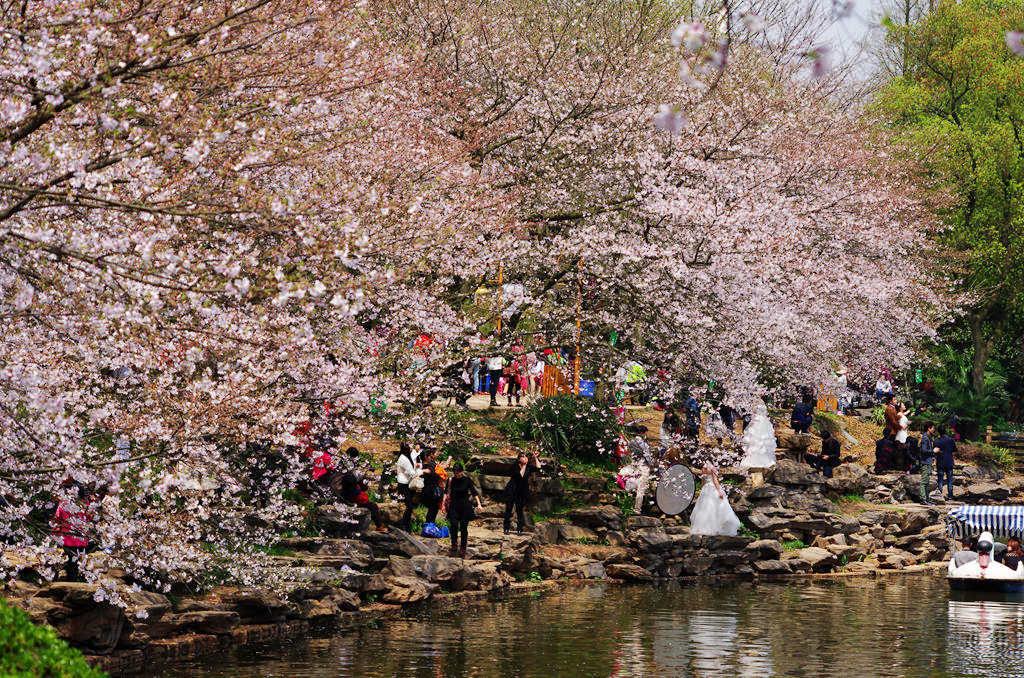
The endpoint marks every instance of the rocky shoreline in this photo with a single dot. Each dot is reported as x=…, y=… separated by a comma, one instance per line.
x=797, y=529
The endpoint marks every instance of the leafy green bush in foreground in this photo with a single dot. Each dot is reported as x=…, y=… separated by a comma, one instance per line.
x=30, y=651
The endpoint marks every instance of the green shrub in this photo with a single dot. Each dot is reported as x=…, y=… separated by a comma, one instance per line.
x=30, y=651
x=793, y=545
x=567, y=427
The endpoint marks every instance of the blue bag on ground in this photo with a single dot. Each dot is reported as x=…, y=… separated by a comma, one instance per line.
x=433, y=531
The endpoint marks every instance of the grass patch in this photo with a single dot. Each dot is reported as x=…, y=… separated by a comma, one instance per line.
x=793, y=545
x=854, y=497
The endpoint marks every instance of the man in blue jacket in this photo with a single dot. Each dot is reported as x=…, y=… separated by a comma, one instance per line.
x=944, y=449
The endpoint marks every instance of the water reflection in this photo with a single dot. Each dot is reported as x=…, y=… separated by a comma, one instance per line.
x=859, y=627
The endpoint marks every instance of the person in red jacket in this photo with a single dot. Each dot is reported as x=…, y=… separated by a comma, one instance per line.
x=71, y=524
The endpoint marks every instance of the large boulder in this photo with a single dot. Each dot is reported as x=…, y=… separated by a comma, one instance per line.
x=793, y=441
x=480, y=576
x=335, y=523
x=254, y=605
x=437, y=569
x=986, y=492
x=570, y=533
x=597, y=517
x=628, y=572
x=765, y=549
x=793, y=473
x=399, y=543
x=849, y=479
x=99, y=628
x=772, y=567
x=819, y=559
x=406, y=590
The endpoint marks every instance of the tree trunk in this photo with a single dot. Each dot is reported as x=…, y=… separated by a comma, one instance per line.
x=982, y=349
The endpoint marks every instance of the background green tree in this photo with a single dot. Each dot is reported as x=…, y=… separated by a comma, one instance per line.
x=958, y=108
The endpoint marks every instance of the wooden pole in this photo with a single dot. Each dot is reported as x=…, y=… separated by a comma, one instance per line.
x=579, y=327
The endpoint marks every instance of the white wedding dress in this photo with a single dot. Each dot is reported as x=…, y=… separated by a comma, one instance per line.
x=712, y=514
x=759, y=442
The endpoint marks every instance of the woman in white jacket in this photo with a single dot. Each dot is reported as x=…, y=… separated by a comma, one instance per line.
x=407, y=468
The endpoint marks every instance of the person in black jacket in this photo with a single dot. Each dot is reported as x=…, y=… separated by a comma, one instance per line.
x=945, y=447
x=460, y=507
x=885, y=453
x=802, y=417
x=927, y=459
x=829, y=457
x=517, y=492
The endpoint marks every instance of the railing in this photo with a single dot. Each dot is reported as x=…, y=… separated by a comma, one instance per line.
x=1012, y=441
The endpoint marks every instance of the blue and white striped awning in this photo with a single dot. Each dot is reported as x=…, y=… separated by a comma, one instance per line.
x=1001, y=521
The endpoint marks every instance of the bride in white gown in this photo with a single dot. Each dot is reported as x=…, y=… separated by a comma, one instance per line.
x=759, y=441
x=712, y=514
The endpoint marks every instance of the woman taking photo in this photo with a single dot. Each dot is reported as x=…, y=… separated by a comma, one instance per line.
x=460, y=507
x=517, y=491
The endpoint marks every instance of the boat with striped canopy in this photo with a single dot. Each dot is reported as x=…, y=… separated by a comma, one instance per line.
x=979, y=570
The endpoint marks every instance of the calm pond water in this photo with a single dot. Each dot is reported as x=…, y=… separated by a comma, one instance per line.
x=911, y=626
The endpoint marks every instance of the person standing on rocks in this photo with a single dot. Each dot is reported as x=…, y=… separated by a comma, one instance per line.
x=495, y=365
x=517, y=492
x=927, y=459
x=945, y=448
x=459, y=506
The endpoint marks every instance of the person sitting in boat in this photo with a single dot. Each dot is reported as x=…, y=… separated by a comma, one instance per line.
x=1014, y=553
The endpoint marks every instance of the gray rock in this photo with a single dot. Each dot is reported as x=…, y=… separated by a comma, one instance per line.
x=480, y=577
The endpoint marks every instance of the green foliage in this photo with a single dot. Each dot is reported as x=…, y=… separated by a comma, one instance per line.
x=878, y=416
x=30, y=651
x=851, y=498
x=626, y=504
x=793, y=545
x=745, y=531
x=955, y=394
x=999, y=457
x=567, y=427
x=534, y=576
x=958, y=114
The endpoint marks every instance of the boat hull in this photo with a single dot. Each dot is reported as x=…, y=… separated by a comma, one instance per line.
x=986, y=585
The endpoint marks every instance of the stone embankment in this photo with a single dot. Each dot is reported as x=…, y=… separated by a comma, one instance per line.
x=798, y=523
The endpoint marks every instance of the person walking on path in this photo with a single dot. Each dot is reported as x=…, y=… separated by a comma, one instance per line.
x=407, y=468
x=494, y=369
x=460, y=507
x=517, y=491
x=945, y=448
x=927, y=459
